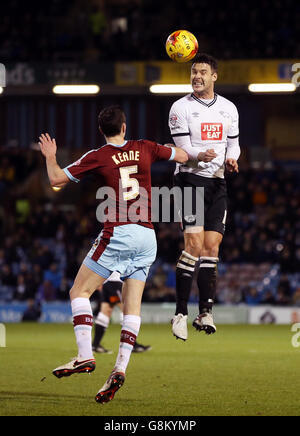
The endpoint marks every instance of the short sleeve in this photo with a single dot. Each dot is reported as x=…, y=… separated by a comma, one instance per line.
x=86, y=164
x=161, y=152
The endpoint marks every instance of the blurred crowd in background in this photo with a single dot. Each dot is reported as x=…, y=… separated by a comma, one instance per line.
x=113, y=30
x=45, y=235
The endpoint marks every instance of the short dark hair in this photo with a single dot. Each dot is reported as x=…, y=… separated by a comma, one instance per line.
x=110, y=120
x=203, y=58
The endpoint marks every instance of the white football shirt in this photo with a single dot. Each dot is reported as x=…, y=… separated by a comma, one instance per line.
x=198, y=125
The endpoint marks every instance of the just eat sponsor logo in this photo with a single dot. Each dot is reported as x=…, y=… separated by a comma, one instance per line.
x=211, y=131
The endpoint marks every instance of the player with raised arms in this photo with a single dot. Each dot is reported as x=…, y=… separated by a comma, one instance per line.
x=206, y=126
x=123, y=246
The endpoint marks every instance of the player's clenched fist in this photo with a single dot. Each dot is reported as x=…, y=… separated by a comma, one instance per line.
x=207, y=155
x=232, y=165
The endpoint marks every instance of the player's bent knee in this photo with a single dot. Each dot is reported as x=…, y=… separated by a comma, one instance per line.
x=193, y=250
x=79, y=293
x=211, y=244
x=212, y=251
x=193, y=244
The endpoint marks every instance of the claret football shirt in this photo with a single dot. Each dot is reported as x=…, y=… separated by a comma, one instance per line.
x=126, y=170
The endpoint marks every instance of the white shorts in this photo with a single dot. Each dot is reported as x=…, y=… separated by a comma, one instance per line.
x=129, y=249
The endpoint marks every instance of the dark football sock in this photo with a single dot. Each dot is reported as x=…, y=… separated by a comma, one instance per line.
x=184, y=278
x=98, y=335
x=207, y=283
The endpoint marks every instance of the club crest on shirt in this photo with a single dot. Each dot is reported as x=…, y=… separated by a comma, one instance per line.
x=173, y=120
x=225, y=114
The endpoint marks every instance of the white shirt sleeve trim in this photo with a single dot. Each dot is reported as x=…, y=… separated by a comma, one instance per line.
x=69, y=175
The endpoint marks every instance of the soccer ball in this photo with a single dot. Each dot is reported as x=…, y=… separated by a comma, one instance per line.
x=181, y=46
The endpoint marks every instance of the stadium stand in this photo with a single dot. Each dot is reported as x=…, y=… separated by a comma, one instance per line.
x=44, y=238
x=86, y=31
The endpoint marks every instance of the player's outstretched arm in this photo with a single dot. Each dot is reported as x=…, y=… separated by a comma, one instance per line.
x=184, y=143
x=56, y=175
x=180, y=155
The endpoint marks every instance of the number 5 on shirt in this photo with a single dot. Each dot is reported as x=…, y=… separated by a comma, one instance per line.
x=129, y=182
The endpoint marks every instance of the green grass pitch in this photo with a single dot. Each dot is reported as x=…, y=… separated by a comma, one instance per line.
x=241, y=370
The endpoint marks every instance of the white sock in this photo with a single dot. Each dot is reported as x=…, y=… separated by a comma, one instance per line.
x=102, y=320
x=130, y=330
x=83, y=324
